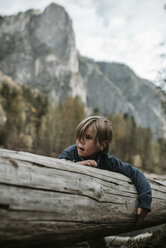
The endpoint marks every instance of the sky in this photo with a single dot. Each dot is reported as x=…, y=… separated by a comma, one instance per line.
x=132, y=32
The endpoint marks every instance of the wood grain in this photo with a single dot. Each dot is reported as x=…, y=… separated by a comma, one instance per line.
x=51, y=202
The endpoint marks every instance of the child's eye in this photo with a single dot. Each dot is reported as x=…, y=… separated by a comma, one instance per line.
x=88, y=137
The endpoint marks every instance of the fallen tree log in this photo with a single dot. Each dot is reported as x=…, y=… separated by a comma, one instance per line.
x=138, y=236
x=49, y=202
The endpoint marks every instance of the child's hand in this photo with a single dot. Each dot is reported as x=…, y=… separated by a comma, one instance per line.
x=89, y=162
x=141, y=213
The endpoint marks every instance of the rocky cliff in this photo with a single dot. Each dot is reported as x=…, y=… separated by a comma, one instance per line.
x=38, y=49
x=140, y=93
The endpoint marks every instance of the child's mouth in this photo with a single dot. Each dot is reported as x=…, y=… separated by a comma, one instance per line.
x=80, y=148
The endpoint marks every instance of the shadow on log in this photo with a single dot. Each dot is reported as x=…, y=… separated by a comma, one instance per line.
x=48, y=202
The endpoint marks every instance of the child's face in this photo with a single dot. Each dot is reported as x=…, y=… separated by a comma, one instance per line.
x=87, y=146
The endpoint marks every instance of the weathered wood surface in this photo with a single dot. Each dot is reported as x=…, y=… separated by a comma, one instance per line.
x=49, y=202
x=138, y=235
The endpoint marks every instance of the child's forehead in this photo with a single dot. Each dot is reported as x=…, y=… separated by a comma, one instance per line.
x=90, y=128
x=86, y=128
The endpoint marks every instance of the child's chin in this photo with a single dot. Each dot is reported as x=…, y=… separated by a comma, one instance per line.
x=82, y=154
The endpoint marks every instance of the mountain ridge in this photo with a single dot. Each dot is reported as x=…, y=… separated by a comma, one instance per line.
x=38, y=49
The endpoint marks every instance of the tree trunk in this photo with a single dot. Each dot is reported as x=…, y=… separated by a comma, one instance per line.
x=48, y=202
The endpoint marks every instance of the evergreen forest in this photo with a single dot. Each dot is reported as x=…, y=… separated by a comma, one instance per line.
x=30, y=122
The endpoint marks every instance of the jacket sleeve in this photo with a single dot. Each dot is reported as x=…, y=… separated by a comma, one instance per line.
x=66, y=154
x=141, y=183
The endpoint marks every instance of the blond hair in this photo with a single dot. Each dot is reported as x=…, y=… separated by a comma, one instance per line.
x=102, y=127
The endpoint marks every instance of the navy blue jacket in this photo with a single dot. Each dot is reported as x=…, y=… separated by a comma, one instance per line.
x=111, y=163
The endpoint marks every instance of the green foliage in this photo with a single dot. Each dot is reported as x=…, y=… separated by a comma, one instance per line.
x=136, y=145
x=59, y=125
x=24, y=113
x=34, y=124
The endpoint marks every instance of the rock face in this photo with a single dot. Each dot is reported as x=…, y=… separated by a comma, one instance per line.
x=140, y=93
x=38, y=49
x=115, y=88
x=102, y=93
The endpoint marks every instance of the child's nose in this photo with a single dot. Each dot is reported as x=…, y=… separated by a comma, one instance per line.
x=82, y=141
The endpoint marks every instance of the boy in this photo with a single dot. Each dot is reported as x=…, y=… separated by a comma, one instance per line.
x=93, y=137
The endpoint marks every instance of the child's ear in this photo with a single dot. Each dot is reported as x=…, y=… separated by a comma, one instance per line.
x=104, y=145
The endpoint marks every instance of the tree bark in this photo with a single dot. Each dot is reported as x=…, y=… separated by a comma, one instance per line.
x=48, y=202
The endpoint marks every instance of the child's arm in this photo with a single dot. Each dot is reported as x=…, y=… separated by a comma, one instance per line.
x=141, y=212
x=141, y=183
x=68, y=154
